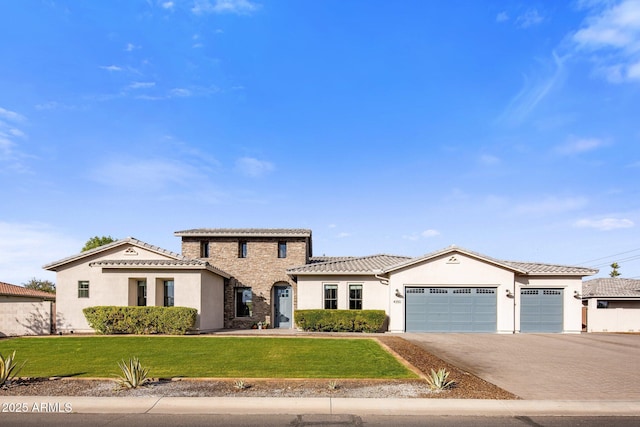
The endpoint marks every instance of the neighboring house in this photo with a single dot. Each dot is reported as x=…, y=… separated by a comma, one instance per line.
x=612, y=305
x=25, y=311
x=451, y=290
x=129, y=272
x=237, y=278
x=258, y=259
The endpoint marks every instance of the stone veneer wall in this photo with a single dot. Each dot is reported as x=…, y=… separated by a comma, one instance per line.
x=260, y=270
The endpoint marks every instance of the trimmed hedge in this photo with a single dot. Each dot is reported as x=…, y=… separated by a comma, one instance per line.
x=141, y=320
x=340, y=320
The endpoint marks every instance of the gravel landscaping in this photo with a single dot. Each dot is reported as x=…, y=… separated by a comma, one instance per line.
x=467, y=386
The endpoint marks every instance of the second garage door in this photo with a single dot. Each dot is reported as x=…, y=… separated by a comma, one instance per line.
x=434, y=309
x=541, y=310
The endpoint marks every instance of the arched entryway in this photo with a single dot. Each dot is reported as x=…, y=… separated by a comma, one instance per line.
x=282, y=305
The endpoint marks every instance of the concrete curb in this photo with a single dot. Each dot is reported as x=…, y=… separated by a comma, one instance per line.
x=325, y=405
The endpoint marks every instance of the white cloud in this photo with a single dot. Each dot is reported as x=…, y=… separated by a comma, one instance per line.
x=550, y=205
x=488, y=159
x=424, y=235
x=168, y=5
x=611, y=35
x=343, y=235
x=111, y=67
x=430, y=233
x=141, y=85
x=145, y=175
x=180, y=92
x=254, y=168
x=605, y=224
x=578, y=146
x=529, y=18
x=533, y=92
x=502, y=17
x=131, y=47
x=26, y=247
x=10, y=157
x=238, y=7
x=11, y=115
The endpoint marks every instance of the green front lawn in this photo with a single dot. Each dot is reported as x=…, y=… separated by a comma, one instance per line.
x=206, y=357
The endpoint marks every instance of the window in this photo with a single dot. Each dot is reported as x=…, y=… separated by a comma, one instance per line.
x=244, y=302
x=330, y=297
x=142, y=293
x=603, y=303
x=282, y=249
x=83, y=289
x=355, y=297
x=168, y=293
x=242, y=249
x=204, y=249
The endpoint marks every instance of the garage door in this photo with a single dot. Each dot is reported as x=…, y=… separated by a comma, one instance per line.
x=450, y=309
x=541, y=310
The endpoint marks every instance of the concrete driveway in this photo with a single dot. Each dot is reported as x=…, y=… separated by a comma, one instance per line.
x=546, y=366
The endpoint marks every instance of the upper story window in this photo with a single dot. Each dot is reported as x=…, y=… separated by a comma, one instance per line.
x=282, y=249
x=242, y=249
x=83, y=289
x=204, y=249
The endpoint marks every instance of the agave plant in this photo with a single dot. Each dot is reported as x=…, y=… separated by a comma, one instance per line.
x=333, y=385
x=240, y=385
x=9, y=368
x=439, y=380
x=133, y=374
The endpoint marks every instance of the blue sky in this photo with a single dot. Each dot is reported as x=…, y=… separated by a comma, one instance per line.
x=509, y=128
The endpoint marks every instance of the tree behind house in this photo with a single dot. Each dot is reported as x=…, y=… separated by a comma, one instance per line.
x=614, y=270
x=97, y=241
x=41, y=285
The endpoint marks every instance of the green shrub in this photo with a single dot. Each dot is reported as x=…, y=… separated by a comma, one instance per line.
x=9, y=368
x=141, y=320
x=133, y=374
x=340, y=320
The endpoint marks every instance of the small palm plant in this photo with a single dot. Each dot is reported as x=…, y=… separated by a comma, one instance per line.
x=9, y=368
x=439, y=380
x=133, y=374
x=240, y=385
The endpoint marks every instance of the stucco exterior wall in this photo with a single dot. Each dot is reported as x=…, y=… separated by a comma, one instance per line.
x=459, y=272
x=212, y=302
x=311, y=296
x=613, y=319
x=196, y=288
x=24, y=316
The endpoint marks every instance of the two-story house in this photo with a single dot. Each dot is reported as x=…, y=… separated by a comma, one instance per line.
x=257, y=259
x=236, y=278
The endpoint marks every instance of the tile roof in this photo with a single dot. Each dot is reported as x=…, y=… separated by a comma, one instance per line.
x=7, y=289
x=131, y=240
x=540, y=269
x=611, y=287
x=387, y=263
x=160, y=263
x=349, y=265
x=245, y=232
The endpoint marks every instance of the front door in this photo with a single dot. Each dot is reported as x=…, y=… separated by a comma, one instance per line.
x=282, y=307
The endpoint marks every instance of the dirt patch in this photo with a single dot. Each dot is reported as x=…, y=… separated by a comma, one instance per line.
x=468, y=386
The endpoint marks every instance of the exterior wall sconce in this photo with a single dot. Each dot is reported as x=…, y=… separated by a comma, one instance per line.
x=577, y=295
x=398, y=294
x=509, y=294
